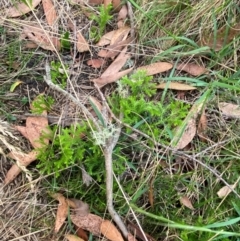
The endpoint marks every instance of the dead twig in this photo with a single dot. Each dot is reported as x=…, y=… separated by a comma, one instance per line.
x=108, y=150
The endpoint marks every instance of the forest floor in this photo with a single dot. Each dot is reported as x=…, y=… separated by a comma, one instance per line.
x=127, y=112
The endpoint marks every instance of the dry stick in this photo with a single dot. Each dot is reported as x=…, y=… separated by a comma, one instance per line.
x=108, y=149
x=174, y=150
x=110, y=144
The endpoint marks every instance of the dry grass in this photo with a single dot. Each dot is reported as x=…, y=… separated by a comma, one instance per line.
x=26, y=211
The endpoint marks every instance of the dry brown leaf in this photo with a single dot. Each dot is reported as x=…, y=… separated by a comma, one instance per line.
x=221, y=38
x=41, y=38
x=113, y=50
x=90, y=222
x=117, y=64
x=202, y=127
x=186, y=202
x=116, y=5
x=96, y=63
x=187, y=130
x=156, y=68
x=122, y=15
x=109, y=231
x=62, y=213
x=82, y=44
x=175, y=86
x=35, y=127
x=81, y=233
x=225, y=191
x=21, y=9
x=229, y=110
x=106, y=39
x=120, y=24
x=101, y=81
x=71, y=237
x=81, y=208
x=120, y=35
x=23, y=160
x=30, y=45
x=192, y=69
x=49, y=10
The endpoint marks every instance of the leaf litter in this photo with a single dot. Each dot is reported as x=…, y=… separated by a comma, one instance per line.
x=50, y=12
x=156, y=68
x=35, y=127
x=21, y=9
x=175, y=86
x=230, y=110
x=107, y=77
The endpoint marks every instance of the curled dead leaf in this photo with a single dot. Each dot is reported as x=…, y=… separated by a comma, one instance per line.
x=225, y=191
x=106, y=39
x=101, y=81
x=120, y=35
x=35, y=127
x=175, y=86
x=202, y=127
x=82, y=44
x=116, y=5
x=184, y=200
x=192, y=69
x=23, y=160
x=21, y=9
x=156, y=68
x=49, y=11
x=96, y=63
x=122, y=15
x=114, y=36
x=113, y=50
x=62, y=213
x=117, y=64
x=229, y=109
x=109, y=231
x=42, y=38
x=90, y=222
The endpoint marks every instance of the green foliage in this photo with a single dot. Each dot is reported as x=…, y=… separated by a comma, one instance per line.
x=58, y=75
x=42, y=103
x=65, y=41
x=101, y=20
x=69, y=150
x=70, y=146
x=134, y=99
